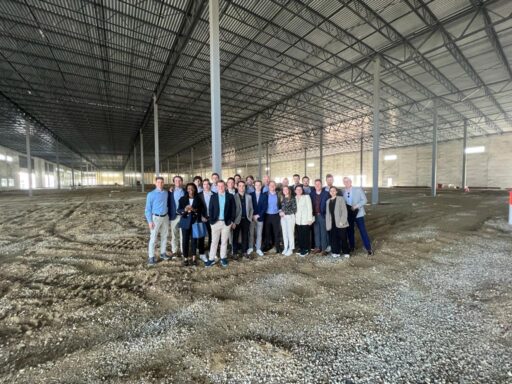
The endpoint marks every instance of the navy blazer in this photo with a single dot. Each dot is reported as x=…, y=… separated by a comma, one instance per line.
x=171, y=205
x=264, y=202
x=324, y=196
x=260, y=207
x=189, y=218
x=229, y=209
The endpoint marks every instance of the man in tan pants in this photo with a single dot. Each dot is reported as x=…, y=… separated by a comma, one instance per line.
x=175, y=194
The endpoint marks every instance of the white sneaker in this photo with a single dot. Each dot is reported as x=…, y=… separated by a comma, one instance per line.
x=328, y=249
x=284, y=252
x=346, y=255
x=258, y=251
x=250, y=250
x=289, y=253
x=335, y=255
x=203, y=257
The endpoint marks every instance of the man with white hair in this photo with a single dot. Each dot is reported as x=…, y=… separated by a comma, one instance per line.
x=356, y=200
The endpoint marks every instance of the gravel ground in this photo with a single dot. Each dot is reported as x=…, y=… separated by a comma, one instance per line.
x=78, y=304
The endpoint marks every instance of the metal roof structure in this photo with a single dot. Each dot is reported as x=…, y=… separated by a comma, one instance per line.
x=82, y=73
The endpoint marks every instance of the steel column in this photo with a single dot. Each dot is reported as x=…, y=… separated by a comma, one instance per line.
x=141, y=161
x=72, y=177
x=258, y=122
x=29, y=159
x=464, y=156
x=135, y=164
x=361, y=164
x=434, y=150
x=215, y=87
x=267, y=168
x=157, y=145
x=376, y=129
x=191, y=163
x=321, y=154
x=58, y=166
x=305, y=161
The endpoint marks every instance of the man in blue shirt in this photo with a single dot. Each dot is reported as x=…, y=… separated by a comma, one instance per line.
x=222, y=212
x=272, y=219
x=158, y=221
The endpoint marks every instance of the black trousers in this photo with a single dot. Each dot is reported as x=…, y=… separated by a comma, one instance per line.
x=243, y=230
x=339, y=240
x=186, y=238
x=304, y=238
x=272, y=231
x=200, y=241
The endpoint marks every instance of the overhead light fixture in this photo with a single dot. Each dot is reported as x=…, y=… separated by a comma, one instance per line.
x=310, y=165
x=479, y=149
x=390, y=157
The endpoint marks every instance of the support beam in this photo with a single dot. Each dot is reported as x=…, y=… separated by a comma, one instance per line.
x=191, y=163
x=434, y=150
x=361, y=164
x=58, y=165
x=267, y=168
x=464, y=156
x=135, y=165
x=178, y=164
x=321, y=154
x=73, y=177
x=157, y=144
x=29, y=159
x=258, y=123
x=305, y=161
x=141, y=161
x=376, y=129
x=215, y=87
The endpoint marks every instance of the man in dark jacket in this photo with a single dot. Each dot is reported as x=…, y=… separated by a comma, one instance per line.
x=319, y=199
x=222, y=211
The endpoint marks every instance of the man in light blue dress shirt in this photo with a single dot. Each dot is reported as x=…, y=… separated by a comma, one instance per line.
x=158, y=221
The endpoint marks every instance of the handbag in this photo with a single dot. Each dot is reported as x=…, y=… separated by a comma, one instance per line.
x=198, y=230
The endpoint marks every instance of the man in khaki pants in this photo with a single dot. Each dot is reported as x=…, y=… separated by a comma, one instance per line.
x=222, y=212
x=158, y=222
x=175, y=194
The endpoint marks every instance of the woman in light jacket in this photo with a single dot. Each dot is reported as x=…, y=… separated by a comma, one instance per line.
x=336, y=221
x=303, y=220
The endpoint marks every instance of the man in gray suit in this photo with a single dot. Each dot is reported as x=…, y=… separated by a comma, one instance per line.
x=356, y=200
x=243, y=227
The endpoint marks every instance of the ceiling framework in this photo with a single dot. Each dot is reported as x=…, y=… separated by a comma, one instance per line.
x=84, y=73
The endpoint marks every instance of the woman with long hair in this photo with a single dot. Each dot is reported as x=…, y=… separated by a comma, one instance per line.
x=336, y=221
x=190, y=209
x=287, y=213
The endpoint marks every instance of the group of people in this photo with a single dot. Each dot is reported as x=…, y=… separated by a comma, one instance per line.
x=254, y=216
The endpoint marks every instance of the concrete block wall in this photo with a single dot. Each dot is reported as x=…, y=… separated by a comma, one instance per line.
x=413, y=165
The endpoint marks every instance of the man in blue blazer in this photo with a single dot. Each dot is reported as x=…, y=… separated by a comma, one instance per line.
x=259, y=204
x=319, y=199
x=222, y=212
x=175, y=194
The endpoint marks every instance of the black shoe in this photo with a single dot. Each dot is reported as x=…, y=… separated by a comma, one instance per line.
x=186, y=262
x=352, y=249
x=371, y=253
x=278, y=250
x=246, y=256
x=235, y=256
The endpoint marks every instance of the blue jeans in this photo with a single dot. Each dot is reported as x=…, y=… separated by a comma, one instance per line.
x=362, y=231
x=320, y=230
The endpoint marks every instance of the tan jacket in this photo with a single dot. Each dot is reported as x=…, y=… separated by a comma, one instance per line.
x=340, y=214
x=304, y=213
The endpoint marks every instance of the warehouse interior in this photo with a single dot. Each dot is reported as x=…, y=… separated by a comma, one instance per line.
x=411, y=99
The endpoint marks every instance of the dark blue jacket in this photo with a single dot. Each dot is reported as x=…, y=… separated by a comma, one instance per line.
x=187, y=219
x=260, y=207
x=229, y=209
x=324, y=196
x=171, y=206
